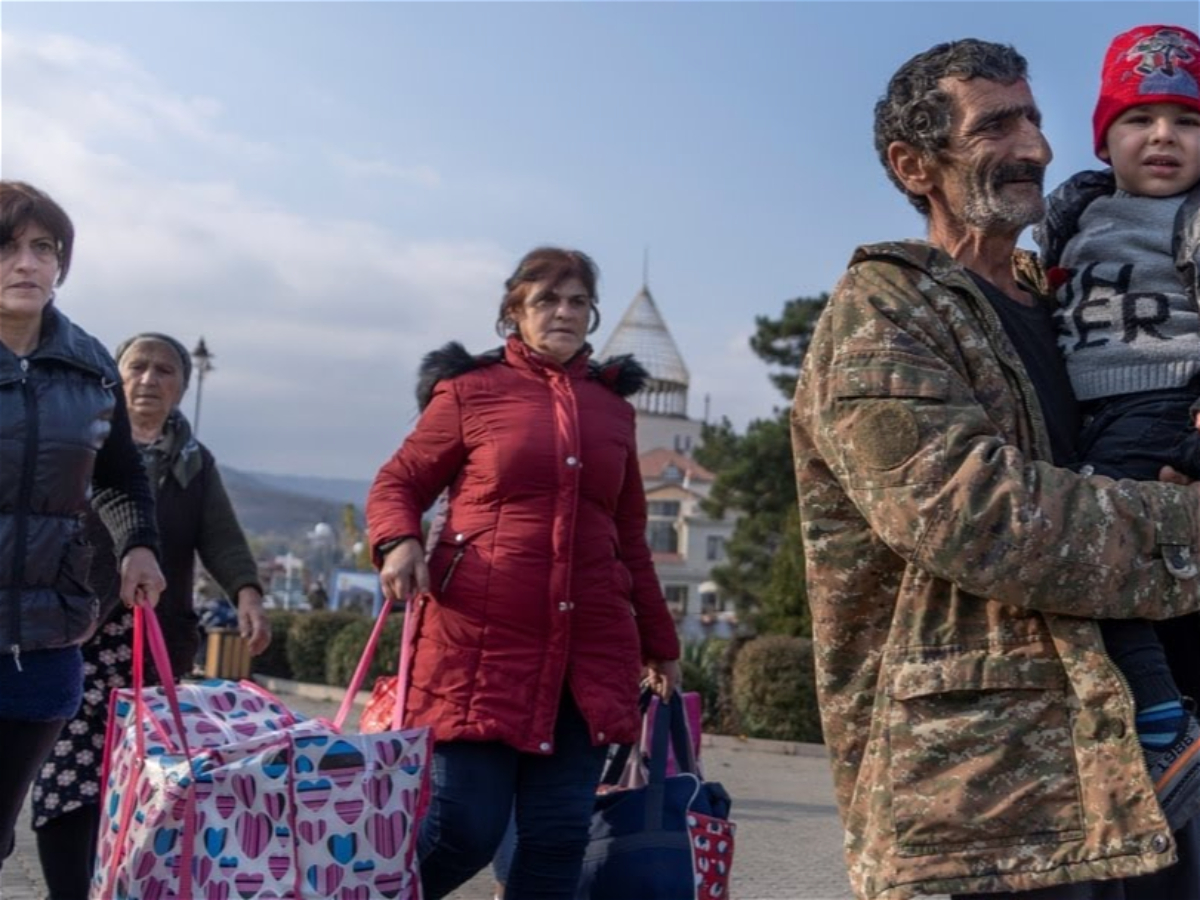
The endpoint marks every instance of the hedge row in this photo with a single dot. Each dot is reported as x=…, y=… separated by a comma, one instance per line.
x=763, y=687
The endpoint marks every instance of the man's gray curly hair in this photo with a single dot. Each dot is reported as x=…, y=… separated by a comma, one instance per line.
x=918, y=112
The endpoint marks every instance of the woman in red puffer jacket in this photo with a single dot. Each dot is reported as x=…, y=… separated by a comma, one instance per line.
x=539, y=608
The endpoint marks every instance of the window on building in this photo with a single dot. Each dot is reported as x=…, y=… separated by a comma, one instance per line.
x=662, y=536
x=677, y=598
x=672, y=472
x=661, y=531
x=716, y=548
x=662, y=508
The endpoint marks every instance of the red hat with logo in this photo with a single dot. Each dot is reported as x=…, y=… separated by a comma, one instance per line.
x=1147, y=64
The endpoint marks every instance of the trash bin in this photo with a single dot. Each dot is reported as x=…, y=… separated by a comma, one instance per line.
x=228, y=655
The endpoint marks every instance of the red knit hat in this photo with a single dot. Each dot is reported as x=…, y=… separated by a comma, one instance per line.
x=1147, y=64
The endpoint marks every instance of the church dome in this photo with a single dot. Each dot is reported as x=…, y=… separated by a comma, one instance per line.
x=643, y=333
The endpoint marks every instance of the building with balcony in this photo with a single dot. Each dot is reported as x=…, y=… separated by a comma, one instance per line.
x=685, y=541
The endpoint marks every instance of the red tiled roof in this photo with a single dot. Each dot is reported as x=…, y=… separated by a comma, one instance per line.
x=654, y=462
x=661, y=557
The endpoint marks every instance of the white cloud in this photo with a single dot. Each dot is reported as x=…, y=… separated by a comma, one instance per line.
x=421, y=175
x=106, y=94
x=317, y=324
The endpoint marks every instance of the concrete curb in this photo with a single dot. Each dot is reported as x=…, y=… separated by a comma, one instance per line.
x=328, y=693
x=738, y=743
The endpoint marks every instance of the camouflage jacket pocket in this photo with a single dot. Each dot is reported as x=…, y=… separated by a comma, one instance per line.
x=890, y=421
x=981, y=754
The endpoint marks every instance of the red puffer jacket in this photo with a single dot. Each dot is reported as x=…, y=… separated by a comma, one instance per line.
x=542, y=575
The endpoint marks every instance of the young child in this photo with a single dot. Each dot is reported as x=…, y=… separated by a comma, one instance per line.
x=1122, y=249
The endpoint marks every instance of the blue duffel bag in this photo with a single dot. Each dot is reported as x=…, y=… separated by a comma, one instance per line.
x=669, y=839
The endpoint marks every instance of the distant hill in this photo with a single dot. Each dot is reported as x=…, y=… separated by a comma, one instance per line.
x=337, y=490
x=270, y=506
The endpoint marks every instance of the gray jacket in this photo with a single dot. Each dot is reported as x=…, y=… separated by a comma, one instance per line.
x=58, y=407
x=1067, y=202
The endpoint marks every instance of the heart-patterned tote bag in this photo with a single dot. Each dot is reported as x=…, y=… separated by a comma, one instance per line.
x=216, y=790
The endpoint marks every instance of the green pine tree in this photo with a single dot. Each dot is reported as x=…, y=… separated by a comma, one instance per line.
x=755, y=476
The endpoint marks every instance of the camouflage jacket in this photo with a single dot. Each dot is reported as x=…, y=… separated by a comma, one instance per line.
x=980, y=736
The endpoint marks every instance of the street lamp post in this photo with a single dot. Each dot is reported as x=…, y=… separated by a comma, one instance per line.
x=202, y=362
x=323, y=539
x=290, y=564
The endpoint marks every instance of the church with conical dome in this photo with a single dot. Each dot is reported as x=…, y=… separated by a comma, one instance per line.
x=685, y=541
x=662, y=405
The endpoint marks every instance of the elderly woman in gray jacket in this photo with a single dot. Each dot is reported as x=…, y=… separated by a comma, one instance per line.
x=195, y=518
x=65, y=439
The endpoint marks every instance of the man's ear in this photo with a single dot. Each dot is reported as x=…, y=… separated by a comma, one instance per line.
x=915, y=169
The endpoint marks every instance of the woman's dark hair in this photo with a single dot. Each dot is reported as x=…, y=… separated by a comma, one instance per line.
x=916, y=111
x=546, y=265
x=20, y=204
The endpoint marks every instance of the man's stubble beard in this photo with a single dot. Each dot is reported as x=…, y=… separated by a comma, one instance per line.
x=985, y=207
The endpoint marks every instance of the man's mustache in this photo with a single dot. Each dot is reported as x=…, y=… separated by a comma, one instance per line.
x=1023, y=172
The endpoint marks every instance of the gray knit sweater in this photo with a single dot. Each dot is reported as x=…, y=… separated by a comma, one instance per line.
x=1127, y=324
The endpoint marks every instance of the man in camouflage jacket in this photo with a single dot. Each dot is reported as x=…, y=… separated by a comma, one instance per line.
x=981, y=738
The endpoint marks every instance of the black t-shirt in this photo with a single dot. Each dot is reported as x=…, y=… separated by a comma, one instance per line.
x=1032, y=331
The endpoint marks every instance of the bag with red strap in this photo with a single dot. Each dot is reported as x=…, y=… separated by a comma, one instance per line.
x=379, y=710
x=217, y=790
x=657, y=836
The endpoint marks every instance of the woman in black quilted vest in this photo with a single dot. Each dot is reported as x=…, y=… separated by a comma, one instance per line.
x=65, y=447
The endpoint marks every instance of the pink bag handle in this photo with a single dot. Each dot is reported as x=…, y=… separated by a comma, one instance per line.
x=405, y=664
x=146, y=630
x=368, y=654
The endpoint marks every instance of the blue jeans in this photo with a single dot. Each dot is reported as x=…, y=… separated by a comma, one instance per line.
x=502, y=861
x=477, y=786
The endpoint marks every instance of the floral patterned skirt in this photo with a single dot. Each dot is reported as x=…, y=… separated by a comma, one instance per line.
x=70, y=777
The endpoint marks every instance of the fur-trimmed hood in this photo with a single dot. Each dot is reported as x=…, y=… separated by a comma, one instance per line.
x=623, y=375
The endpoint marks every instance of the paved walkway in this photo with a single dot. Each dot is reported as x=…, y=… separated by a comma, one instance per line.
x=788, y=836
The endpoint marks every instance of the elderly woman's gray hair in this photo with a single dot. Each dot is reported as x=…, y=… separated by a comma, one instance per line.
x=185, y=358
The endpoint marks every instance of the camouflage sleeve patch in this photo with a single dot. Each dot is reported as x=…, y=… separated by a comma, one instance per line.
x=886, y=434
x=890, y=420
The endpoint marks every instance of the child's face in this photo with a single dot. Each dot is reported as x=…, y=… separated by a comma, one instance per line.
x=1154, y=149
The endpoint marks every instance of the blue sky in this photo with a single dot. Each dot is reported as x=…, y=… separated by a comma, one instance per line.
x=326, y=191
